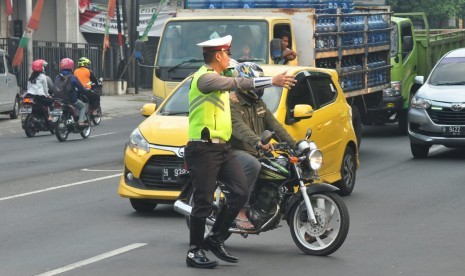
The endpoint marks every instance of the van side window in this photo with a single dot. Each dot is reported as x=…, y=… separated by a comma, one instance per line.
x=2, y=65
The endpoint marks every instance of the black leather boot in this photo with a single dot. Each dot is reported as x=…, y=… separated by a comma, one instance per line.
x=215, y=241
x=195, y=255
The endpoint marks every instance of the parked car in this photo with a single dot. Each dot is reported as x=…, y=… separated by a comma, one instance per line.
x=437, y=112
x=154, y=154
x=9, y=89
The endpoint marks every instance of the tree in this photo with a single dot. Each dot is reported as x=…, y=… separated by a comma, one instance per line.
x=437, y=11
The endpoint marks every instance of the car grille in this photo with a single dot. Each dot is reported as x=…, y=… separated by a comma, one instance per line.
x=447, y=116
x=151, y=175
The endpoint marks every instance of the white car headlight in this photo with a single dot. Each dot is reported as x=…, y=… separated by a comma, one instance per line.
x=138, y=144
x=315, y=159
x=419, y=102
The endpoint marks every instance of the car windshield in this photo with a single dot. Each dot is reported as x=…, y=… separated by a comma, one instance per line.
x=178, y=47
x=450, y=71
x=178, y=103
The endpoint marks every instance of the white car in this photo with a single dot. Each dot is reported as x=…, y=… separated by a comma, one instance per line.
x=437, y=111
x=9, y=90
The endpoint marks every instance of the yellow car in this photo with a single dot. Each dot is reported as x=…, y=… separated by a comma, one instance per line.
x=154, y=155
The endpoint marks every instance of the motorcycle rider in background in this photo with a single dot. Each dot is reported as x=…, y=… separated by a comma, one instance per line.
x=70, y=95
x=88, y=80
x=37, y=85
x=250, y=117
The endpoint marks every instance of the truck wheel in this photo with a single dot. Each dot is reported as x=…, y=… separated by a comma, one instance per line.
x=15, y=112
x=357, y=123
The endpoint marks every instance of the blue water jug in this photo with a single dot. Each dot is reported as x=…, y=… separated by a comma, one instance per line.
x=282, y=4
x=198, y=4
x=300, y=4
x=215, y=4
x=248, y=4
x=263, y=4
x=232, y=4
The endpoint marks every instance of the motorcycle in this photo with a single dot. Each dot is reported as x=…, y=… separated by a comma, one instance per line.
x=286, y=190
x=34, y=117
x=66, y=117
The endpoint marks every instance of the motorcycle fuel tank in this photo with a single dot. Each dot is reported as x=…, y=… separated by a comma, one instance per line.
x=273, y=169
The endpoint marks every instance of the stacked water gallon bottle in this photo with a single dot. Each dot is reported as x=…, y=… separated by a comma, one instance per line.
x=321, y=5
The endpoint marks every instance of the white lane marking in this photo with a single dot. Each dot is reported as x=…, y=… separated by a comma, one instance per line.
x=60, y=187
x=103, y=134
x=90, y=170
x=92, y=260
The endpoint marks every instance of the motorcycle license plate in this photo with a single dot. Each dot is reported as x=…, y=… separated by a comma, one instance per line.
x=454, y=130
x=169, y=175
x=25, y=109
x=56, y=112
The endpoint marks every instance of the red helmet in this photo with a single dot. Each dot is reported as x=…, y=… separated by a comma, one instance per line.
x=38, y=65
x=66, y=64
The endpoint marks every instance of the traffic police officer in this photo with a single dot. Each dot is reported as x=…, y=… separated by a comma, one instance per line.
x=208, y=155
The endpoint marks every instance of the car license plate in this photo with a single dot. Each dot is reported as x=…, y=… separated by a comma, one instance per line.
x=454, y=130
x=170, y=175
x=25, y=109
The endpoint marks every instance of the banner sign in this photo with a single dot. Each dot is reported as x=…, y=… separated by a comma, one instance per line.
x=93, y=19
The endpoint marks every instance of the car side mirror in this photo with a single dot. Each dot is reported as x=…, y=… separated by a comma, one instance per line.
x=148, y=109
x=303, y=111
x=420, y=80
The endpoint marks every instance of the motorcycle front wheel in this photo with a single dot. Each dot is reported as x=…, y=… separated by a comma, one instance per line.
x=332, y=226
x=97, y=117
x=29, y=126
x=61, y=129
x=85, y=133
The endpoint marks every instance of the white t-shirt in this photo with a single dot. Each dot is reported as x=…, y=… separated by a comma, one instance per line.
x=39, y=88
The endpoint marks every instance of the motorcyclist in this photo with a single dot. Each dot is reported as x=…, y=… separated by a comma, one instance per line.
x=89, y=81
x=67, y=87
x=250, y=117
x=37, y=86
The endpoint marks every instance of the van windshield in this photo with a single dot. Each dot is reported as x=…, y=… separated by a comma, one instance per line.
x=178, y=43
x=449, y=71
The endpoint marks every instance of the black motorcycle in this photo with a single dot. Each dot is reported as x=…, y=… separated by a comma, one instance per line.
x=286, y=190
x=66, y=117
x=96, y=113
x=34, y=117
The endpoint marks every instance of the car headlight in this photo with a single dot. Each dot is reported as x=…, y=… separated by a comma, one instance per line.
x=138, y=144
x=315, y=159
x=419, y=102
x=394, y=91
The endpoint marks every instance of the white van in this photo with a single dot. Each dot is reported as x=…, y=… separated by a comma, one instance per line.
x=9, y=90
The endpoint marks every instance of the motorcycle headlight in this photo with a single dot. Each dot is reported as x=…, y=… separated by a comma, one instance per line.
x=419, y=102
x=315, y=159
x=138, y=144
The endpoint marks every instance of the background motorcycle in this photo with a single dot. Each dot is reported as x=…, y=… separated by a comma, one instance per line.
x=34, y=117
x=66, y=117
x=286, y=190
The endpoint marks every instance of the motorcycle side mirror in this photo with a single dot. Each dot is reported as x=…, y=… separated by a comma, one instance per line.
x=309, y=134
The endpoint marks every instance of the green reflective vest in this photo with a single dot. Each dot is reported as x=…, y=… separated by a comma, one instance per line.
x=210, y=111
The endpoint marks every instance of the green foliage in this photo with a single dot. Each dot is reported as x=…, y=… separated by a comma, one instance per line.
x=440, y=10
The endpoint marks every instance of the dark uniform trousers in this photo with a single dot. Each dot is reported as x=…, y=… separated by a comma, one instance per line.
x=208, y=162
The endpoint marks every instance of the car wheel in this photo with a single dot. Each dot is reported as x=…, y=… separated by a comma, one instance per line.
x=348, y=173
x=142, y=205
x=402, y=121
x=419, y=151
x=15, y=112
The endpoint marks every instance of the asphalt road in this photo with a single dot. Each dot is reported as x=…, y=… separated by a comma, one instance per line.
x=61, y=215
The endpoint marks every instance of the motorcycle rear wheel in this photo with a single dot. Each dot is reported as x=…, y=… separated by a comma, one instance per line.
x=331, y=231
x=61, y=129
x=28, y=126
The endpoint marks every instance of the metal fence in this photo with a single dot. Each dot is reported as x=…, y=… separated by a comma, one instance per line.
x=113, y=67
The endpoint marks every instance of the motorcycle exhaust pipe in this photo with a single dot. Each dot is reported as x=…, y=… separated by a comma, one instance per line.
x=185, y=209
